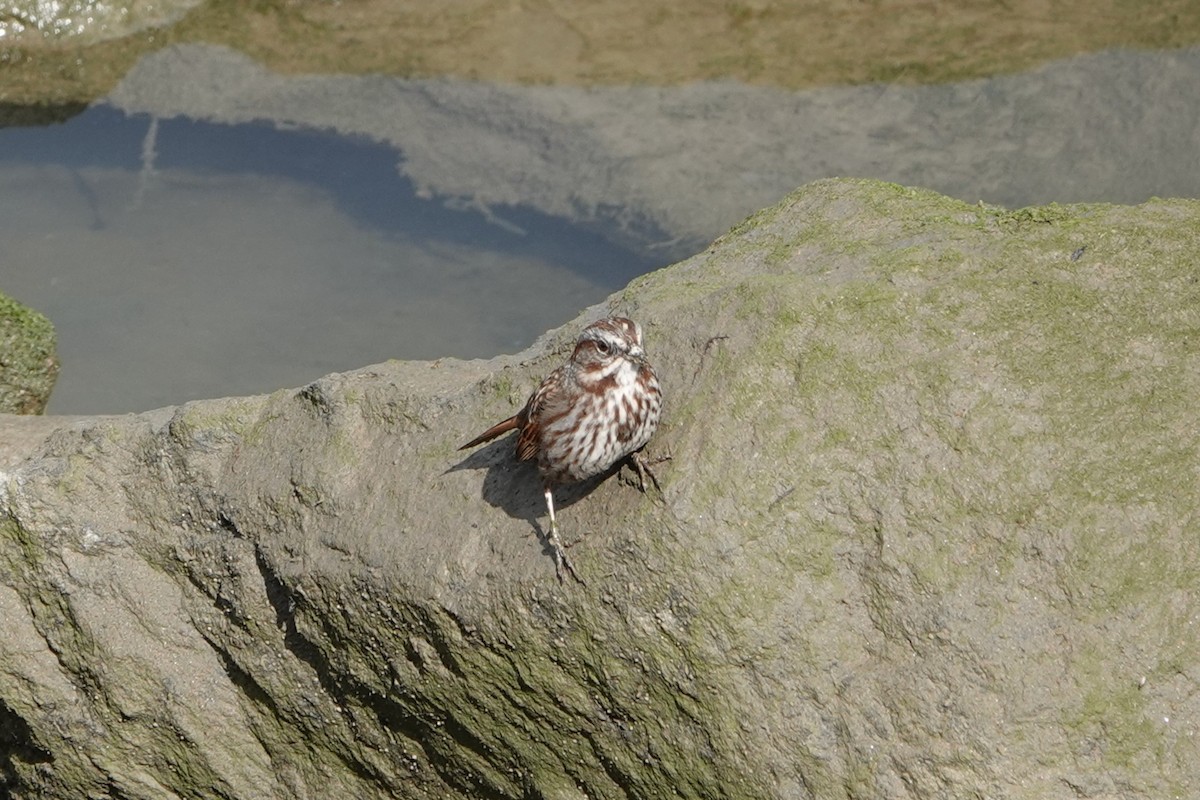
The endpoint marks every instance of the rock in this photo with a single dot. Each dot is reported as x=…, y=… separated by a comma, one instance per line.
x=927, y=532
x=28, y=363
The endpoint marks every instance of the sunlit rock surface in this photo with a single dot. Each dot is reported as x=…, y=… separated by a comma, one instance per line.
x=928, y=530
x=85, y=21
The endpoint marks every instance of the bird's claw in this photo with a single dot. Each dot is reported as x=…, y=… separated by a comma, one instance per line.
x=562, y=564
x=642, y=467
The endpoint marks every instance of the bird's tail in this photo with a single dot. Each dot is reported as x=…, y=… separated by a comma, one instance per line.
x=494, y=431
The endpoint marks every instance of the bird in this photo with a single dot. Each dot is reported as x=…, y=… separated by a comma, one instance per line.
x=600, y=407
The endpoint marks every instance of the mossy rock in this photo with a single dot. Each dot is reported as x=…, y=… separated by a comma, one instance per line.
x=926, y=532
x=28, y=361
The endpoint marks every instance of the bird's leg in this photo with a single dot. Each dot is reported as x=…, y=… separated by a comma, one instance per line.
x=561, y=562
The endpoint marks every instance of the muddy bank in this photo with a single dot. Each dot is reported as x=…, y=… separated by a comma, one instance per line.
x=618, y=42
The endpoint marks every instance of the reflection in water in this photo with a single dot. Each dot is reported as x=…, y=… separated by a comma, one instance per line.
x=232, y=231
x=181, y=260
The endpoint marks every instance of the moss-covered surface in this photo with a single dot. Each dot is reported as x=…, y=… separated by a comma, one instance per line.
x=28, y=360
x=972, y=390
x=924, y=532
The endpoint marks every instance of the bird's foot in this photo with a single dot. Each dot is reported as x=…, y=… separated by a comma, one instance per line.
x=641, y=465
x=562, y=564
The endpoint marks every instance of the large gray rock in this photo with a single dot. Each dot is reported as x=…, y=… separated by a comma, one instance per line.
x=928, y=532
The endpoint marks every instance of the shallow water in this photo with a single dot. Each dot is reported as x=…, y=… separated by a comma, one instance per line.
x=214, y=229
x=258, y=258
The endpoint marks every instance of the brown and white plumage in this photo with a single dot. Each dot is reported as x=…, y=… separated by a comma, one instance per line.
x=598, y=408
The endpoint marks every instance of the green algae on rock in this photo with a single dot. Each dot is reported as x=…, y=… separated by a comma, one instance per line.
x=28, y=361
x=927, y=532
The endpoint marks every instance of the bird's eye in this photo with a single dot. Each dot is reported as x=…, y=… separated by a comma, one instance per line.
x=603, y=347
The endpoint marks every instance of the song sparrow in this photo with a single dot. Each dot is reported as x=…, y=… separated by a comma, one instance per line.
x=598, y=408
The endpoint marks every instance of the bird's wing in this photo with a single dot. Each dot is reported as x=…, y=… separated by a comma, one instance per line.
x=530, y=436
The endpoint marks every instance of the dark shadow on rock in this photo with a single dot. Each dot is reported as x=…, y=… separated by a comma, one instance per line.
x=515, y=486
